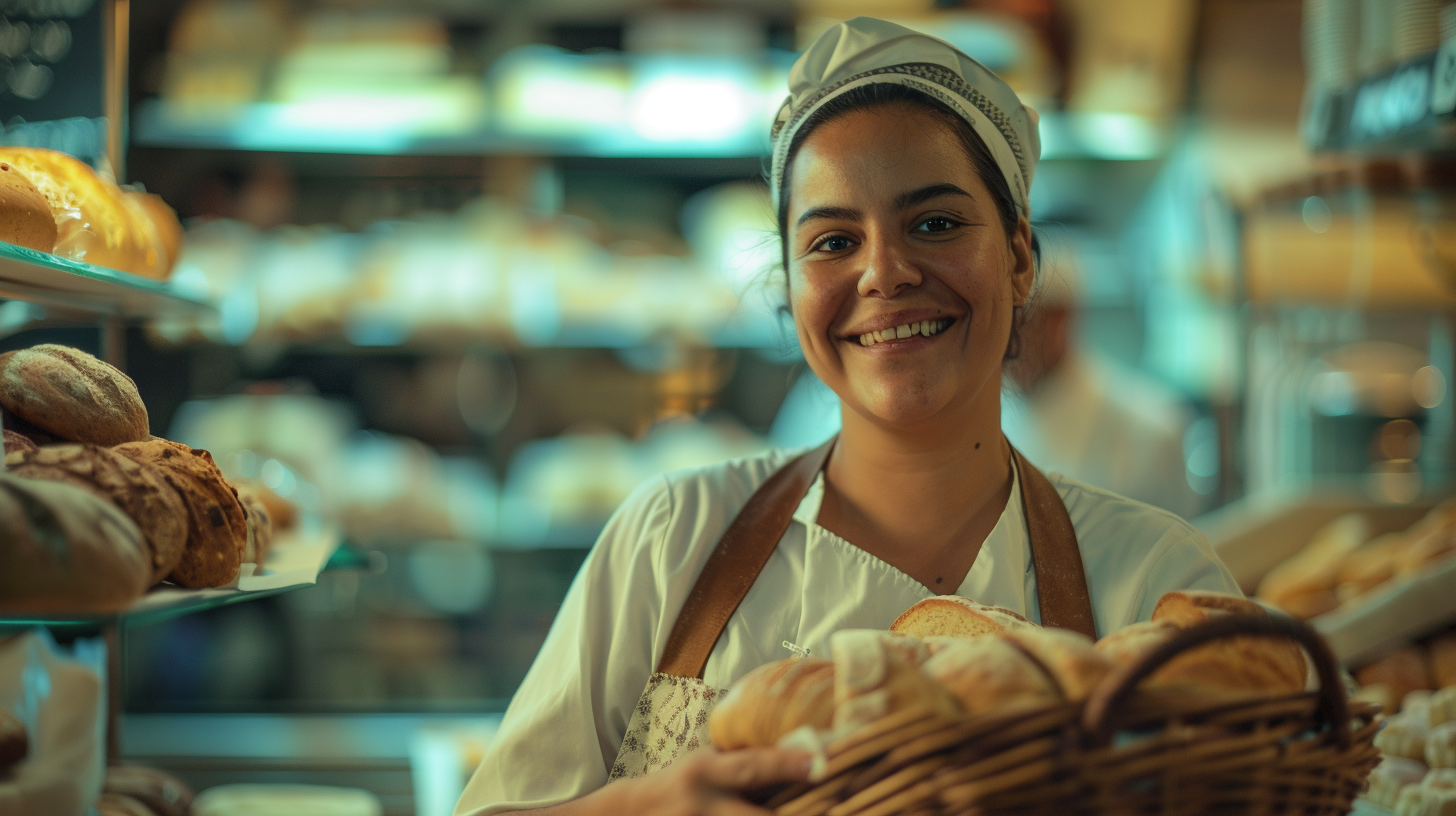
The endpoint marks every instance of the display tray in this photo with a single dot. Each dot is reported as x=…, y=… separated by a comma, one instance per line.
x=39, y=277
x=1391, y=616
x=296, y=559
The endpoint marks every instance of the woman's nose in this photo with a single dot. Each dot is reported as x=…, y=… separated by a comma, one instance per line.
x=888, y=269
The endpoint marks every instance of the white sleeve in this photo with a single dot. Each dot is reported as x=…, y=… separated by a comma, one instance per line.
x=1186, y=561
x=561, y=732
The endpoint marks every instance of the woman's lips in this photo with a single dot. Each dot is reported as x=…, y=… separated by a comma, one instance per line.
x=913, y=333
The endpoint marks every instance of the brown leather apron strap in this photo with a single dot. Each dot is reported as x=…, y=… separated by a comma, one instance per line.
x=736, y=563
x=1061, y=583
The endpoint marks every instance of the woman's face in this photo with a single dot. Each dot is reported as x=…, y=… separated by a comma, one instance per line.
x=891, y=234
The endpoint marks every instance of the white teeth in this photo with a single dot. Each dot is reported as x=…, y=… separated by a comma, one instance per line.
x=925, y=328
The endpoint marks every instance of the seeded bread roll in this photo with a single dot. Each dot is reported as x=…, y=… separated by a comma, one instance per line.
x=991, y=673
x=217, y=530
x=69, y=393
x=14, y=744
x=954, y=616
x=67, y=551
x=137, y=489
x=25, y=217
x=878, y=673
x=773, y=700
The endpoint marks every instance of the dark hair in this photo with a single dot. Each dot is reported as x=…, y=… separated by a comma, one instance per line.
x=881, y=94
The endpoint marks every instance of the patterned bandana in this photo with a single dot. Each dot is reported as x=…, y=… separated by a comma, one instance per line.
x=865, y=51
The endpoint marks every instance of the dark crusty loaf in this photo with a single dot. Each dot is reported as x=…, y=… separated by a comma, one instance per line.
x=138, y=489
x=66, y=551
x=217, y=529
x=69, y=393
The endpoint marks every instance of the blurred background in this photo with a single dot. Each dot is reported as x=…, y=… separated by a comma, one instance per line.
x=480, y=268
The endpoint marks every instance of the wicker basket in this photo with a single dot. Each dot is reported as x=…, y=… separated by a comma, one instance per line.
x=1125, y=750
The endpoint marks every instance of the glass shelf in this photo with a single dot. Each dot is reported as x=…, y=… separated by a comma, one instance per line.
x=42, y=278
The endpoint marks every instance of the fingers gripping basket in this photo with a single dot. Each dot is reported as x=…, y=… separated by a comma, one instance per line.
x=1127, y=750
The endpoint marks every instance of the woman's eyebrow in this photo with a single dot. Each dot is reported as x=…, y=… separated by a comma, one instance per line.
x=910, y=199
x=839, y=213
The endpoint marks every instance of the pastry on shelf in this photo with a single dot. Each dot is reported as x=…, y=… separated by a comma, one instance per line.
x=1392, y=776
x=1441, y=746
x=1405, y=737
x=25, y=216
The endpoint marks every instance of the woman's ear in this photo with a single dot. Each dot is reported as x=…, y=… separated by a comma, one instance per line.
x=1023, y=263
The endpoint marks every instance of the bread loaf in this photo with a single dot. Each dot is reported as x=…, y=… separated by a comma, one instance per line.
x=162, y=232
x=954, y=616
x=1238, y=664
x=137, y=489
x=162, y=793
x=66, y=551
x=25, y=217
x=772, y=701
x=1073, y=661
x=878, y=673
x=1304, y=585
x=1391, y=777
x=69, y=393
x=1370, y=565
x=16, y=443
x=14, y=744
x=991, y=673
x=1403, y=671
x=217, y=530
x=1281, y=660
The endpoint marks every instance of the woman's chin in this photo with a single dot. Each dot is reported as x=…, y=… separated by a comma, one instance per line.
x=902, y=408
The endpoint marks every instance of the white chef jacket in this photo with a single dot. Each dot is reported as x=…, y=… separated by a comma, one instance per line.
x=562, y=731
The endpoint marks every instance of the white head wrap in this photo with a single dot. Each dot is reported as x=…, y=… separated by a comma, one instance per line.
x=865, y=51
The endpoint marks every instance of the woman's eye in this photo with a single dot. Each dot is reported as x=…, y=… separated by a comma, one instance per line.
x=834, y=243
x=938, y=223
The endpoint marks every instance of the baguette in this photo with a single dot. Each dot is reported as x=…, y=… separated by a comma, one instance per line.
x=992, y=673
x=772, y=701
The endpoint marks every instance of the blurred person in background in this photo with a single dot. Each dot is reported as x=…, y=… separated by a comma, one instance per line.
x=1075, y=412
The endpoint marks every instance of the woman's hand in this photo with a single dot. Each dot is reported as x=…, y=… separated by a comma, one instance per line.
x=711, y=783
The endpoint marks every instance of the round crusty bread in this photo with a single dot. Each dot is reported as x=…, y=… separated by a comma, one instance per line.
x=14, y=744
x=162, y=793
x=25, y=216
x=67, y=551
x=18, y=443
x=773, y=700
x=954, y=616
x=991, y=673
x=75, y=396
x=138, y=489
x=217, y=530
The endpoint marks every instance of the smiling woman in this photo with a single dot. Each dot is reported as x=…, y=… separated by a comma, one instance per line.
x=900, y=175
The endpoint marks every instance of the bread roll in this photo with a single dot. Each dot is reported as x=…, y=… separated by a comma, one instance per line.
x=69, y=393
x=878, y=673
x=773, y=700
x=67, y=551
x=1282, y=659
x=1419, y=800
x=137, y=489
x=1432, y=539
x=1299, y=585
x=1440, y=778
x=1071, y=657
x=1237, y=664
x=14, y=744
x=991, y=674
x=1370, y=565
x=1391, y=777
x=1403, y=737
x=1441, y=707
x=1403, y=670
x=159, y=791
x=217, y=530
x=1441, y=746
x=92, y=219
x=954, y=616
x=25, y=217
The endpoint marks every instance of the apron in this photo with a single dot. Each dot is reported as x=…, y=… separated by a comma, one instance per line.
x=671, y=717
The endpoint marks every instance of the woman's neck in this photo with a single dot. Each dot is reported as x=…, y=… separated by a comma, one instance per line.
x=922, y=498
